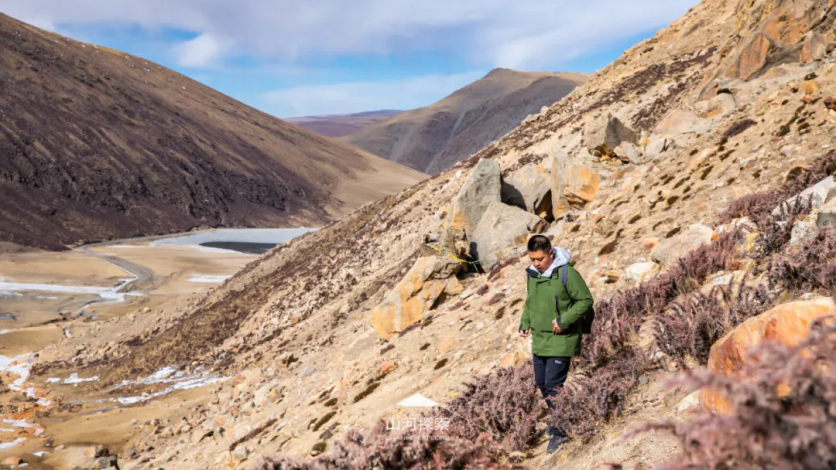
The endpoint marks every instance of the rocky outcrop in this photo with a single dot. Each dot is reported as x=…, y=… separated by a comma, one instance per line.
x=529, y=189
x=817, y=194
x=418, y=291
x=787, y=324
x=502, y=228
x=572, y=188
x=753, y=57
x=669, y=250
x=608, y=131
x=482, y=188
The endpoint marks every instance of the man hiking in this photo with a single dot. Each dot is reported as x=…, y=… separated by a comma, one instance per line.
x=553, y=313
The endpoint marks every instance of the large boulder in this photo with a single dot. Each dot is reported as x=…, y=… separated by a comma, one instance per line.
x=787, y=324
x=752, y=58
x=572, y=186
x=669, y=250
x=482, y=188
x=608, y=131
x=503, y=227
x=529, y=189
x=415, y=294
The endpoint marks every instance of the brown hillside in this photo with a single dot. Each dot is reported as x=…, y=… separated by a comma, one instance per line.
x=435, y=137
x=340, y=125
x=98, y=144
x=732, y=108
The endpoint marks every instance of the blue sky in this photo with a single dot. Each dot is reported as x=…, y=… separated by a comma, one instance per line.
x=293, y=58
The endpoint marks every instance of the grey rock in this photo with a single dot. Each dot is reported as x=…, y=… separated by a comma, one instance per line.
x=502, y=229
x=608, y=130
x=528, y=188
x=240, y=452
x=109, y=461
x=669, y=250
x=657, y=147
x=818, y=193
x=482, y=188
x=629, y=153
x=827, y=215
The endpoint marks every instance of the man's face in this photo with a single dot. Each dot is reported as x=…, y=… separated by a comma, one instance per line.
x=541, y=260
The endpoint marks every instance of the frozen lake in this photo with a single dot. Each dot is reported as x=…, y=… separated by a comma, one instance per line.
x=251, y=241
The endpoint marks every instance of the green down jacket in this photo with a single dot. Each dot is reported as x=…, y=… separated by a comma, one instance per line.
x=546, y=296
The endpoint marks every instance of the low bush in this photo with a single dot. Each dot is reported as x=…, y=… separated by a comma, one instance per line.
x=382, y=449
x=505, y=404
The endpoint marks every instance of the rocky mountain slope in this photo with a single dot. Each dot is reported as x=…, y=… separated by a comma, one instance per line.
x=660, y=175
x=340, y=125
x=98, y=144
x=433, y=138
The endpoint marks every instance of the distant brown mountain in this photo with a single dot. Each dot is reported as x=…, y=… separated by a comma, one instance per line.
x=340, y=125
x=98, y=144
x=433, y=138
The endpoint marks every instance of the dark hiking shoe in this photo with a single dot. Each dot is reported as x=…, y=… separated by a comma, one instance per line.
x=555, y=441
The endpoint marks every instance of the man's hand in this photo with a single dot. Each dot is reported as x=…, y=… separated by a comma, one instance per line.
x=524, y=333
x=555, y=328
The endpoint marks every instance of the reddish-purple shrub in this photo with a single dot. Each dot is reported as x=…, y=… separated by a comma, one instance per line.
x=809, y=266
x=759, y=206
x=506, y=404
x=381, y=449
x=593, y=397
x=691, y=326
x=764, y=430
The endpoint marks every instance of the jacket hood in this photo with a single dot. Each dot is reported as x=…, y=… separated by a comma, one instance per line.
x=561, y=257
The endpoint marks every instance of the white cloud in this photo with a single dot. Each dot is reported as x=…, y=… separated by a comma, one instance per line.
x=509, y=33
x=355, y=97
x=203, y=51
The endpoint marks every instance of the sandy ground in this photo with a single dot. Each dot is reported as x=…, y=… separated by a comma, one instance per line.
x=33, y=320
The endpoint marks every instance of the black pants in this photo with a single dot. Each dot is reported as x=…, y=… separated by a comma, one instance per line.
x=549, y=374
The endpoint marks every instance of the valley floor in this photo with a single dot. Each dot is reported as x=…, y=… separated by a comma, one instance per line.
x=46, y=297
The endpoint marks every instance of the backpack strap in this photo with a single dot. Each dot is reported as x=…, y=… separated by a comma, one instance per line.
x=564, y=278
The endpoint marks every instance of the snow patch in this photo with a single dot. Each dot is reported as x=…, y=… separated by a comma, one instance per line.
x=9, y=445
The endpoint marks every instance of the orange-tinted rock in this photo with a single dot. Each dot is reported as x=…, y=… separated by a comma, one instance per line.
x=581, y=184
x=753, y=57
x=446, y=344
x=787, y=324
x=513, y=359
x=387, y=366
x=407, y=302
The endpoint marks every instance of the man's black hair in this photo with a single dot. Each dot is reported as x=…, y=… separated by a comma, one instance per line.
x=539, y=243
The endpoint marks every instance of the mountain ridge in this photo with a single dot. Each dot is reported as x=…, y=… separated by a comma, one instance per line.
x=98, y=144
x=435, y=137
x=341, y=125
